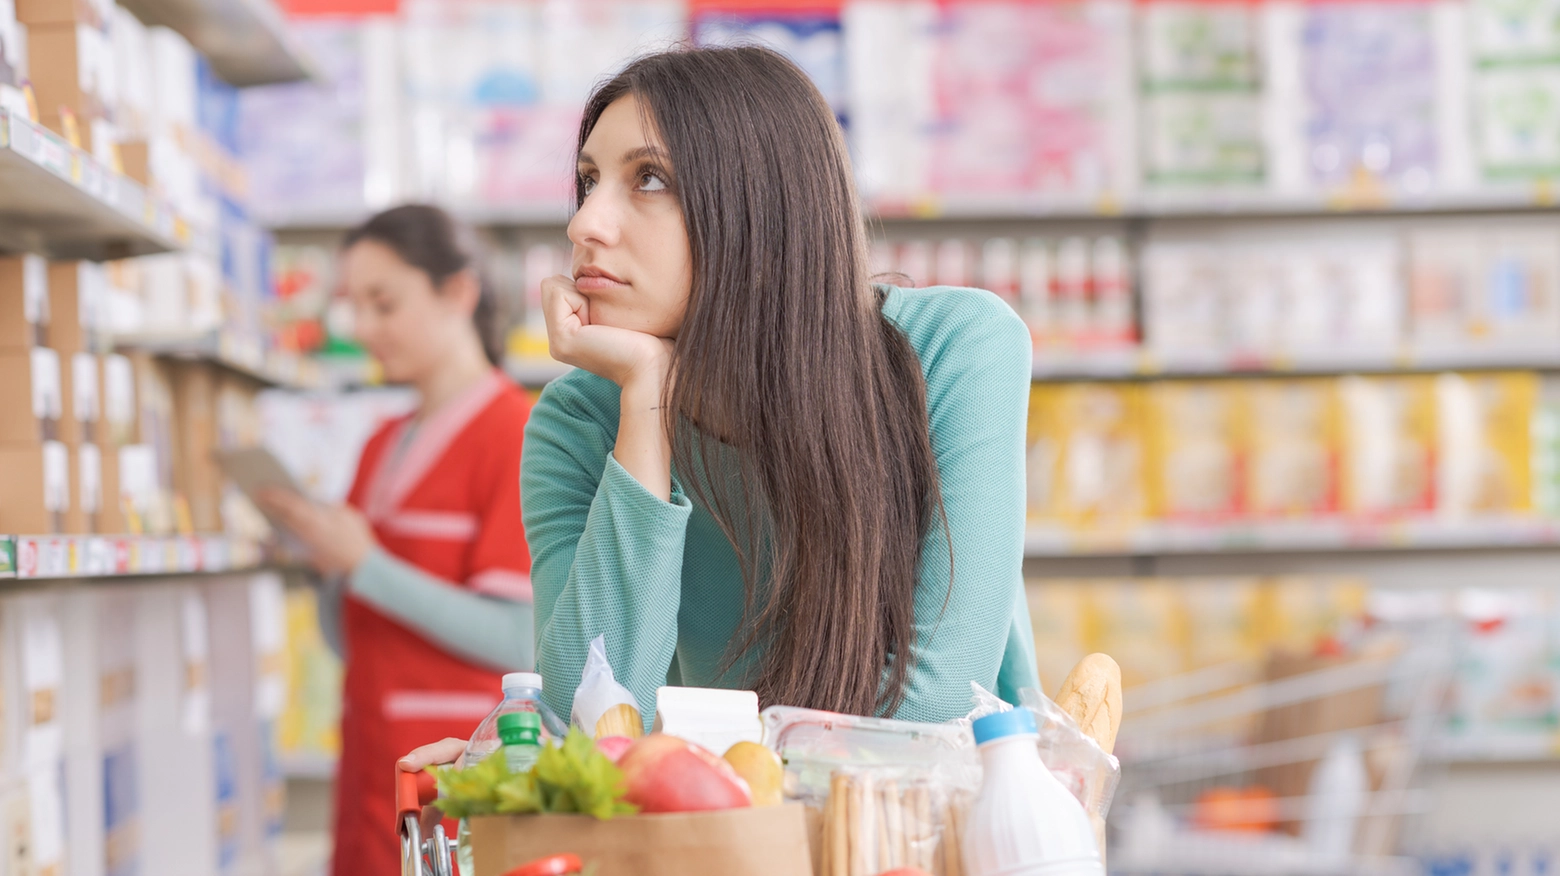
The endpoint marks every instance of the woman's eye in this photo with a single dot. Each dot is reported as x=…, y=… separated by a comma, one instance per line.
x=649, y=181
x=587, y=185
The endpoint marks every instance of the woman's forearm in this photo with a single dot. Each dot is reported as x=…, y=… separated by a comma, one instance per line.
x=643, y=448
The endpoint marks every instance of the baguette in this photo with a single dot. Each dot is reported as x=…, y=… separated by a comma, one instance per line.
x=1091, y=696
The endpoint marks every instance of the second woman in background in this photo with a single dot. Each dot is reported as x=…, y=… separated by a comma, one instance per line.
x=428, y=560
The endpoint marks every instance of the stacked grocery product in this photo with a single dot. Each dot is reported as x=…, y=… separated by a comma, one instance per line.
x=1452, y=448
x=142, y=721
x=1083, y=106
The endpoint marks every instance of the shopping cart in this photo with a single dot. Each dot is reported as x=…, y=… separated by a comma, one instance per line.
x=420, y=856
x=1301, y=769
x=434, y=854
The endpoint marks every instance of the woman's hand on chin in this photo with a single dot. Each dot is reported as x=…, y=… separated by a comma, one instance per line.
x=623, y=356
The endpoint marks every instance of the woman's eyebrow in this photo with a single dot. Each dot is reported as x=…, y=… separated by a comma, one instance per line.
x=644, y=152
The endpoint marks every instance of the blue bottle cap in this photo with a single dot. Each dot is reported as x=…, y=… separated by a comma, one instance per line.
x=1014, y=722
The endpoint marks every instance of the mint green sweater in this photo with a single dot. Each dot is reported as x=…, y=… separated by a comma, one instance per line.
x=662, y=582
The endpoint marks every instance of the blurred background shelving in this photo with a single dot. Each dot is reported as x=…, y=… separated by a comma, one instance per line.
x=1292, y=272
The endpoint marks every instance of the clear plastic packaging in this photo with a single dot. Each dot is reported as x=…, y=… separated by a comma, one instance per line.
x=813, y=744
x=877, y=819
x=602, y=707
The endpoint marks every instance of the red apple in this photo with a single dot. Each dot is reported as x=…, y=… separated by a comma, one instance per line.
x=614, y=747
x=667, y=774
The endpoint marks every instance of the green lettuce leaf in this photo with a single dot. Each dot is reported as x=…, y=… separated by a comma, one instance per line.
x=573, y=777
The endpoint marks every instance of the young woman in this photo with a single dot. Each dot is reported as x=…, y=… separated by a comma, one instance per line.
x=431, y=589
x=766, y=472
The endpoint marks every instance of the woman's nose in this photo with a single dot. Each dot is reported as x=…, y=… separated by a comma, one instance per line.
x=595, y=223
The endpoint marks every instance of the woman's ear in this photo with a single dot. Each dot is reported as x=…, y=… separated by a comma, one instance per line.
x=462, y=290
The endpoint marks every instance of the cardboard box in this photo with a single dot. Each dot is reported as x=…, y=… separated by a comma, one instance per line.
x=24, y=302
x=765, y=841
x=31, y=397
x=77, y=291
x=196, y=475
x=35, y=495
x=94, y=12
x=121, y=422
x=80, y=376
x=130, y=492
x=86, y=494
x=71, y=68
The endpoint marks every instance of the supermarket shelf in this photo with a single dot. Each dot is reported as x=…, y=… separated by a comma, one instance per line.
x=59, y=201
x=1137, y=362
x=230, y=352
x=99, y=556
x=246, y=41
x=1301, y=536
x=1217, y=204
x=1167, y=205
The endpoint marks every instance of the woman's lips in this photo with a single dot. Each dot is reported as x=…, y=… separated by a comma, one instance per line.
x=597, y=283
x=596, y=279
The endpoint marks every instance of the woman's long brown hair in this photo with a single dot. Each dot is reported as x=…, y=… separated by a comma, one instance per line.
x=785, y=358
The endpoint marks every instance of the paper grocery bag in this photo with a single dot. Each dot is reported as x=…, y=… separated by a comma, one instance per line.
x=763, y=841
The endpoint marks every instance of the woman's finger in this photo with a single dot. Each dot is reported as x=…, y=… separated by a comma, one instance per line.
x=434, y=754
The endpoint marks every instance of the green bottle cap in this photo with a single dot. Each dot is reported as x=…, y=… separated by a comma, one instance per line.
x=520, y=728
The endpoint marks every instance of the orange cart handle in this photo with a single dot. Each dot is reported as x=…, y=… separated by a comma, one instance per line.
x=413, y=791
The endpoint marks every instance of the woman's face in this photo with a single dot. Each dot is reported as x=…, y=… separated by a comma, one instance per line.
x=398, y=315
x=631, y=257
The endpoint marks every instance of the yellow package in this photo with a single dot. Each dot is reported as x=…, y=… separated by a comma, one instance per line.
x=1220, y=614
x=1196, y=438
x=1296, y=615
x=1293, y=454
x=1056, y=611
x=1086, y=454
x=1485, y=443
x=1389, y=435
x=1141, y=623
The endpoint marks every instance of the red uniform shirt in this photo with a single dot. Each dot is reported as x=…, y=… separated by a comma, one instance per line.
x=445, y=498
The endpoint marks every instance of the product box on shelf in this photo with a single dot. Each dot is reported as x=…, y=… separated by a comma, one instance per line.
x=1087, y=460
x=1197, y=431
x=196, y=476
x=72, y=73
x=84, y=515
x=77, y=291
x=31, y=395
x=35, y=494
x=100, y=686
x=175, y=747
x=1485, y=443
x=248, y=684
x=24, y=302
x=1294, y=448
x=81, y=393
x=93, y=12
x=1389, y=445
x=158, y=437
x=33, y=629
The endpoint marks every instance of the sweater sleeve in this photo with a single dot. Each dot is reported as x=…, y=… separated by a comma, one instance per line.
x=492, y=632
x=978, y=382
x=606, y=554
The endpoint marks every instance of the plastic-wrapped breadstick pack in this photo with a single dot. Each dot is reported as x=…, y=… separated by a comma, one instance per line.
x=877, y=819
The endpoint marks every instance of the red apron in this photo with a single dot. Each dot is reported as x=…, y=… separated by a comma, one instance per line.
x=448, y=502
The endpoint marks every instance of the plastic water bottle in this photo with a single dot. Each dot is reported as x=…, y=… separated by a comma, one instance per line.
x=521, y=733
x=522, y=696
x=1024, y=823
x=522, y=693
